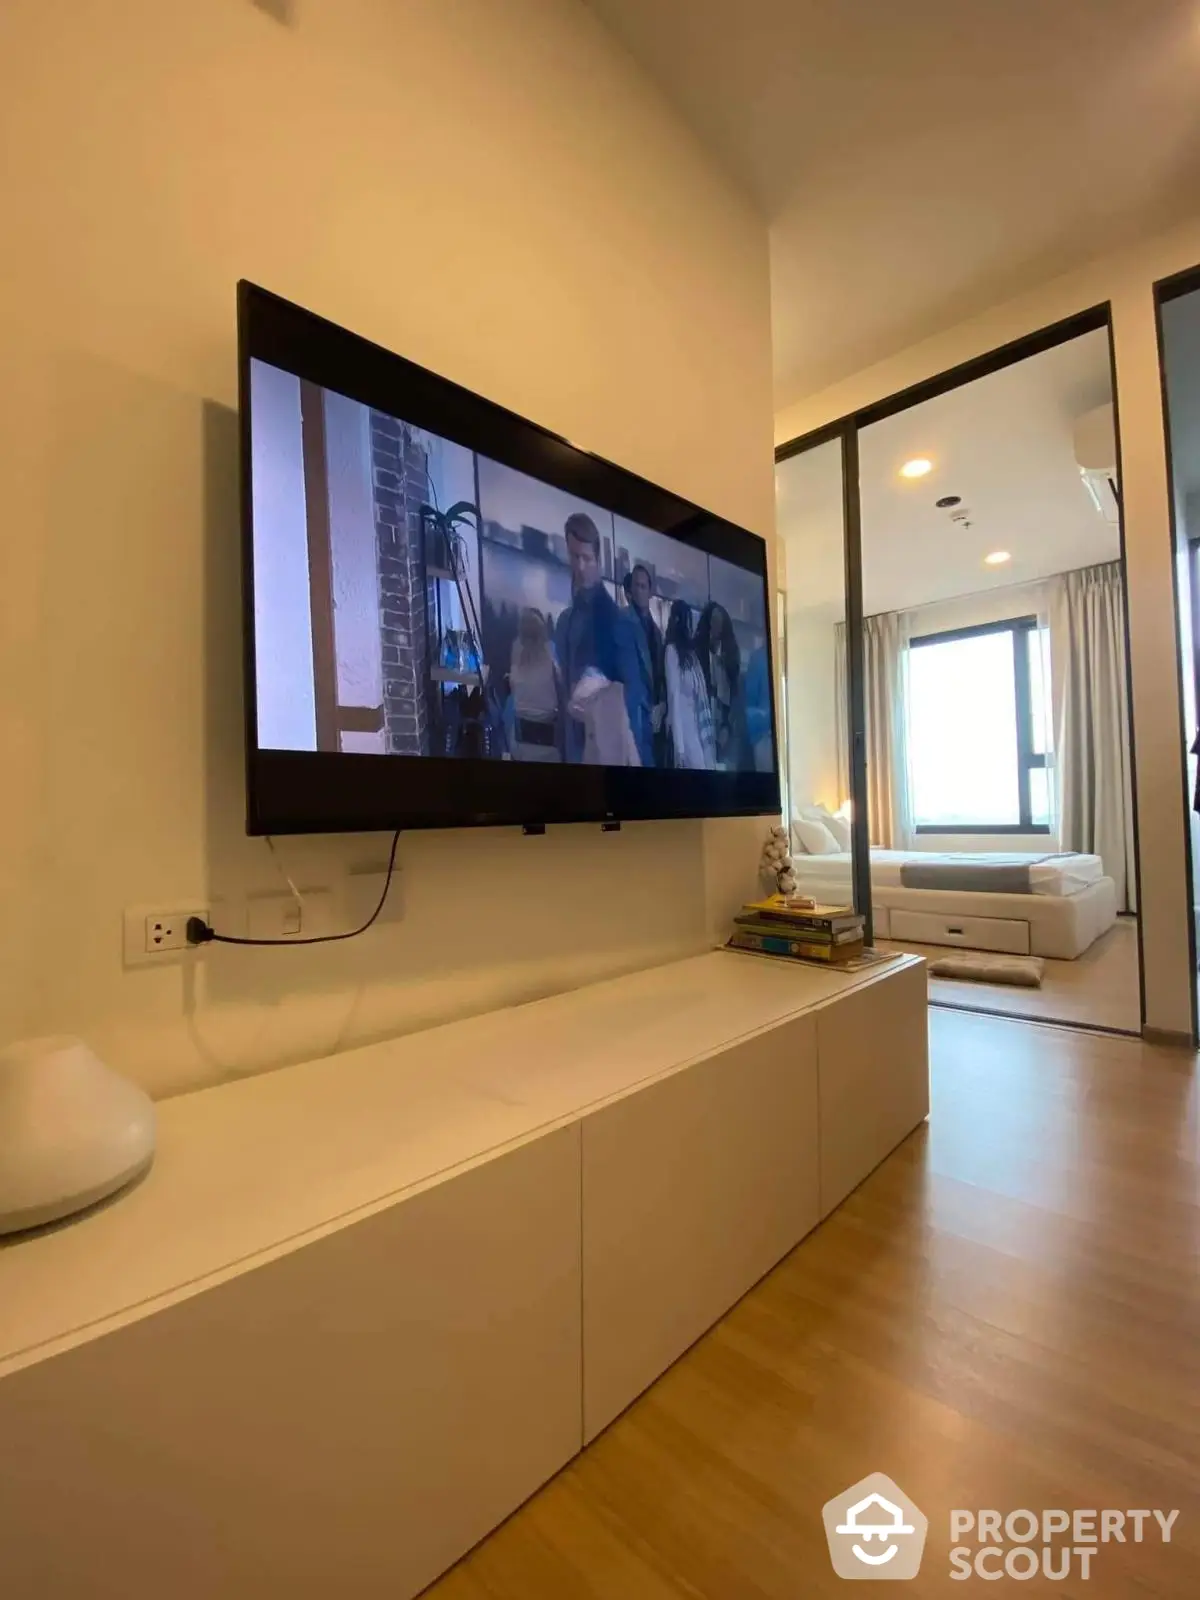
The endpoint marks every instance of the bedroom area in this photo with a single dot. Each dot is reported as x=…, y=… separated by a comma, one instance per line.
x=955, y=656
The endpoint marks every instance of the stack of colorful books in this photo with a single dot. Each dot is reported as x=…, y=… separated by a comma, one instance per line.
x=788, y=926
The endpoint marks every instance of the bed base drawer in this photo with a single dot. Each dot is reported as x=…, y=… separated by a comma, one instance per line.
x=968, y=933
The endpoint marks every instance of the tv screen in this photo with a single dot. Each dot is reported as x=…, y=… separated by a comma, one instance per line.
x=454, y=617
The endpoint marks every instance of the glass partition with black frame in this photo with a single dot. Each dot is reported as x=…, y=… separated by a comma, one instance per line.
x=819, y=692
x=1179, y=343
x=1000, y=791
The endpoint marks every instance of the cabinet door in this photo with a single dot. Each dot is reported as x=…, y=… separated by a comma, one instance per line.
x=692, y=1190
x=344, y=1421
x=873, y=1058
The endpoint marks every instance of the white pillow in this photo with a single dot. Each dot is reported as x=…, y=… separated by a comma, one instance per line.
x=813, y=837
x=839, y=827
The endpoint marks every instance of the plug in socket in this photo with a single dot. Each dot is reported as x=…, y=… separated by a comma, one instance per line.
x=153, y=936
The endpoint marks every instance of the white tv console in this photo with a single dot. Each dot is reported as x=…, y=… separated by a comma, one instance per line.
x=362, y=1308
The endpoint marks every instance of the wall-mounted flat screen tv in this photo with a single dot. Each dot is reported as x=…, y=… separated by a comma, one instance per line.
x=455, y=618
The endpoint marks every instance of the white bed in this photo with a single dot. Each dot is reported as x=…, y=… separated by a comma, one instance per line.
x=1070, y=905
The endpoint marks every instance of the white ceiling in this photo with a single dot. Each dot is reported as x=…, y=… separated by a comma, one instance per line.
x=921, y=162
x=1004, y=443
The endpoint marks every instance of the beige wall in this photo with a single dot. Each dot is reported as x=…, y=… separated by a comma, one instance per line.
x=1126, y=280
x=493, y=190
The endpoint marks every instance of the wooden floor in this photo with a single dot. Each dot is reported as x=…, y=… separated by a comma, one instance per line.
x=1099, y=987
x=1005, y=1315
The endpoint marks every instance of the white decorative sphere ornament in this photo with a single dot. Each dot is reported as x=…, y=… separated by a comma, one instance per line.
x=72, y=1131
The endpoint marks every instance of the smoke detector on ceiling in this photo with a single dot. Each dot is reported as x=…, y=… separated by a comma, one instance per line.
x=960, y=515
x=952, y=505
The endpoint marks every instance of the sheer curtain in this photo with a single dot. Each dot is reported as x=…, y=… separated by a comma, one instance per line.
x=885, y=665
x=1095, y=790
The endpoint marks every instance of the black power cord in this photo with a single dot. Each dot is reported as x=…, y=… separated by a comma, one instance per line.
x=199, y=932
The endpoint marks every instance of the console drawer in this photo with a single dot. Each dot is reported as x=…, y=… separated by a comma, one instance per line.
x=968, y=933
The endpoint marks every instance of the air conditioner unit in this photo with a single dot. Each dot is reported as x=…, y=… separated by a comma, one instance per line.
x=1096, y=458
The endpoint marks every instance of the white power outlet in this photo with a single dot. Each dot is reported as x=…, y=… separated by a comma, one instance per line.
x=166, y=931
x=153, y=935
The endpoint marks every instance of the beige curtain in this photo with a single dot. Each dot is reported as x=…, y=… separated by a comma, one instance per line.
x=885, y=663
x=1095, y=787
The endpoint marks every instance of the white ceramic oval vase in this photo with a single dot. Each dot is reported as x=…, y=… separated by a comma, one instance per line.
x=72, y=1131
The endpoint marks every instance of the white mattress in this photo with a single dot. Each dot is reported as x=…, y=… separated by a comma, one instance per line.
x=827, y=876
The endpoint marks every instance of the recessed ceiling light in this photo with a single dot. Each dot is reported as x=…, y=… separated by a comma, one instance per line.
x=997, y=558
x=916, y=468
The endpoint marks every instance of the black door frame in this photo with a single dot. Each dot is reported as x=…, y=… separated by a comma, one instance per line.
x=1176, y=287
x=847, y=429
x=844, y=434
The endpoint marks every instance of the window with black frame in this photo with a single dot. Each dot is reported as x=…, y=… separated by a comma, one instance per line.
x=977, y=736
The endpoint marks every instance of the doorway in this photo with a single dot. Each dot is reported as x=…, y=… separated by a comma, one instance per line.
x=982, y=612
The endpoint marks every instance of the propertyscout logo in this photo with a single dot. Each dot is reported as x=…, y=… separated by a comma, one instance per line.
x=875, y=1531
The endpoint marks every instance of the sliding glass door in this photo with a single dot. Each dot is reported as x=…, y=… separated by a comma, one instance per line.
x=999, y=751
x=818, y=689
x=1179, y=339
x=958, y=679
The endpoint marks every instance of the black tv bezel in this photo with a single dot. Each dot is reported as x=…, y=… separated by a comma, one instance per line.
x=290, y=791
